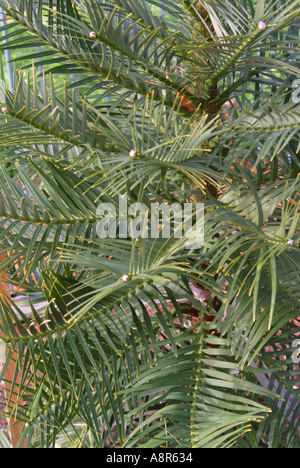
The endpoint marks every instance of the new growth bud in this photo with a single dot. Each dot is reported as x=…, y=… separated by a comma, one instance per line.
x=262, y=25
x=133, y=153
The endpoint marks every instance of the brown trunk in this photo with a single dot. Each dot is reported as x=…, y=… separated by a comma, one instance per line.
x=11, y=393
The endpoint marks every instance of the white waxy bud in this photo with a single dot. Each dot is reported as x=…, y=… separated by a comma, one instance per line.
x=290, y=242
x=133, y=153
x=92, y=35
x=4, y=110
x=125, y=278
x=262, y=25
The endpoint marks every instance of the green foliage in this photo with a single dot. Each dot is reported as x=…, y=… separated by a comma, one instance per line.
x=204, y=95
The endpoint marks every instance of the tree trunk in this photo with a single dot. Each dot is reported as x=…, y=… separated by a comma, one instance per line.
x=11, y=393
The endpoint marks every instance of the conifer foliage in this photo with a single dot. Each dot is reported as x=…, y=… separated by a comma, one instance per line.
x=143, y=342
